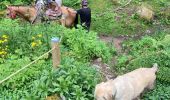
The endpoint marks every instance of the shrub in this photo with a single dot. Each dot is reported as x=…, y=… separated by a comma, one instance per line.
x=73, y=80
x=25, y=39
x=147, y=51
x=85, y=46
x=161, y=92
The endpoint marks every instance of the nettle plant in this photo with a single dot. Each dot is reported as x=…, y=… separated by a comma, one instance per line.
x=85, y=45
x=72, y=80
x=147, y=51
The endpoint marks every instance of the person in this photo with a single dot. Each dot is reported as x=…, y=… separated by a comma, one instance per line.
x=54, y=11
x=85, y=15
x=41, y=6
x=59, y=2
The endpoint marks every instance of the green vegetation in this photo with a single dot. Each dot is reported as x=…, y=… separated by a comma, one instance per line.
x=26, y=42
x=145, y=52
x=75, y=79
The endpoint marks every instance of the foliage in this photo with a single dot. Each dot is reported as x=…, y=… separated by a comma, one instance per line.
x=71, y=3
x=147, y=51
x=26, y=39
x=3, y=45
x=15, y=63
x=24, y=45
x=84, y=45
x=74, y=80
x=161, y=92
x=20, y=37
x=107, y=21
x=102, y=19
x=27, y=42
x=144, y=53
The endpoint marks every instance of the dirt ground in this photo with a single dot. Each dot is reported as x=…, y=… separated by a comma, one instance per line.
x=107, y=70
x=103, y=68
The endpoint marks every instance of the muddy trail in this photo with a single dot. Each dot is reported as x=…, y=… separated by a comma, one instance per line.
x=107, y=70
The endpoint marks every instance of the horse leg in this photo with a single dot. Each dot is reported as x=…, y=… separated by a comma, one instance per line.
x=63, y=20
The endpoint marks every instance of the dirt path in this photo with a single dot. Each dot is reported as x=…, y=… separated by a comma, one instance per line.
x=104, y=68
x=107, y=70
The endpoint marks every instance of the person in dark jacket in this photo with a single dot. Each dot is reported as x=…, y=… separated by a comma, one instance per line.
x=85, y=15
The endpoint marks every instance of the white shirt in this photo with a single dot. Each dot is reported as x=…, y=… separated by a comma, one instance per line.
x=59, y=2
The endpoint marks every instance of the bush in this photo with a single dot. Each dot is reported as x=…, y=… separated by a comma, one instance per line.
x=144, y=53
x=85, y=46
x=161, y=92
x=73, y=80
x=34, y=40
x=147, y=51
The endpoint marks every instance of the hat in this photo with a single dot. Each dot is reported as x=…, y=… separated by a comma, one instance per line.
x=84, y=2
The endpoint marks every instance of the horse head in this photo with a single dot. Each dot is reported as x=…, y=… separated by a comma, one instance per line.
x=11, y=13
x=25, y=12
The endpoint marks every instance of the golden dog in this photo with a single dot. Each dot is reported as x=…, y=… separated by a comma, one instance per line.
x=128, y=86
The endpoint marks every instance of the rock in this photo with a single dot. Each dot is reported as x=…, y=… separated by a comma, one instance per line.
x=115, y=2
x=53, y=97
x=99, y=60
x=2, y=13
x=145, y=13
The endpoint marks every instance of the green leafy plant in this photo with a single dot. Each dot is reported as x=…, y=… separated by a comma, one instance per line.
x=85, y=46
x=73, y=80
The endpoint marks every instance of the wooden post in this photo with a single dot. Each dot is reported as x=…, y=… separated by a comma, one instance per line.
x=55, y=52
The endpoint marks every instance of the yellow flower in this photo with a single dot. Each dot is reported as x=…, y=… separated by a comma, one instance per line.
x=5, y=36
x=5, y=40
x=1, y=52
x=33, y=37
x=1, y=41
x=39, y=35
x=33, y=44
x=39, y=42
x=5, y=52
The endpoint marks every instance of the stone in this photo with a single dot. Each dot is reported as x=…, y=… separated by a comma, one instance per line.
x=145, y=13
x=116, y=2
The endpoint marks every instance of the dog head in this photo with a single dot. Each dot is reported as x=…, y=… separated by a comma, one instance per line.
x=104, y=90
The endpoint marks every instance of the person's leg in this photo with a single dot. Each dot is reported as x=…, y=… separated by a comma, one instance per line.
x=88, y=27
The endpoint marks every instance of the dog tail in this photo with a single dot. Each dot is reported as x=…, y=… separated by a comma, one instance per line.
x=155, y=67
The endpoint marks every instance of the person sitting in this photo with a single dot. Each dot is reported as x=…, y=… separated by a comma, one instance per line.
x=85, y=15
x=59, y=2
x=47, y=8
x=54, y=11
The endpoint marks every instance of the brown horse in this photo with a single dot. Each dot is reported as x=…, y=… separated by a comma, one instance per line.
x=29, y=13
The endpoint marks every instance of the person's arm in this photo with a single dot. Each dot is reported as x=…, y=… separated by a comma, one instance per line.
x=79, y=11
